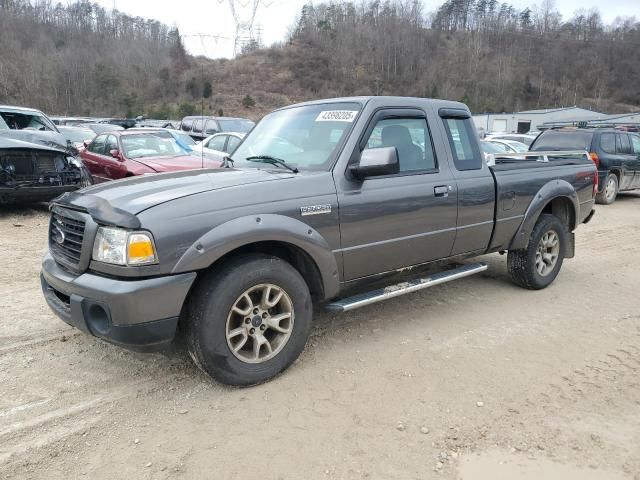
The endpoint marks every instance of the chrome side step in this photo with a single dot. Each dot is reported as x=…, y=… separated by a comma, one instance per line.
x=375, y=296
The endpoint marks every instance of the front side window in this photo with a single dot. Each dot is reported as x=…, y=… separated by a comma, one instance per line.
x=112, y=144
x=466, y=155
x=97, y=146
x=410, y=137
x=306, y=137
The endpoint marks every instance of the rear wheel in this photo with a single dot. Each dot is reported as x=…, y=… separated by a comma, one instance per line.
x=609, y=190
x=249, y=320
x=536, y=266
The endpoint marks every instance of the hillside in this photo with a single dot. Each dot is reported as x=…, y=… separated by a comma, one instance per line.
x=84, y=60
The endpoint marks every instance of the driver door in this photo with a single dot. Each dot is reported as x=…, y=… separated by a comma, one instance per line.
x=394, y=221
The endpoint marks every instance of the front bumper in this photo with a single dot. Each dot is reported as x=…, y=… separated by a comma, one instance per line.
x=141, y=315
x=33, y=194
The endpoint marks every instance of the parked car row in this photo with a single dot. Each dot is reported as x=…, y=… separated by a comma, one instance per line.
x=111, y=148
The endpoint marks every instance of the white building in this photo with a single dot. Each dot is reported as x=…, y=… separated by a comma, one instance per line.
x=522, y=122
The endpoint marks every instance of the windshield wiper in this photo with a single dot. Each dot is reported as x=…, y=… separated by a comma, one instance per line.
x=273, y=161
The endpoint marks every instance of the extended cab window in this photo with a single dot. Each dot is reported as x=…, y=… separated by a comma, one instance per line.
x=411, y=138
x=97, y=146
x=466, y=155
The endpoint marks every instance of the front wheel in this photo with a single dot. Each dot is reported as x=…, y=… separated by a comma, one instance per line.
x=249, y=320
x=536, y=266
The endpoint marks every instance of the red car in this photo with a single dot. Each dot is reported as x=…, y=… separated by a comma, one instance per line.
x=121, y=154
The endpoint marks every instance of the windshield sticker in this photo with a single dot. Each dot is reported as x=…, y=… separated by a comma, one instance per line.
x=337, y=116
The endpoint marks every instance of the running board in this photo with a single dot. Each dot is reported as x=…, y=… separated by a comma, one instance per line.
x=363, y=299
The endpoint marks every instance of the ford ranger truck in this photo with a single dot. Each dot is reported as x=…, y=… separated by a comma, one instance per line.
x=342, y=202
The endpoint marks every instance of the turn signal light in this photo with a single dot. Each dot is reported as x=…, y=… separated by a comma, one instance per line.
x=595, y=158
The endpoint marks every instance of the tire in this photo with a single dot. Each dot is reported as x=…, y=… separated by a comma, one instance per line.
x=609, y=190
x=214, y=323
x=522, y=264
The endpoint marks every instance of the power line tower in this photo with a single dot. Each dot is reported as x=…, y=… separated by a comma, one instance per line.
x=244, y=16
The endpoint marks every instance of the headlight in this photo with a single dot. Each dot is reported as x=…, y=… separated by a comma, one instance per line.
x=122, y=247
x=75, y=161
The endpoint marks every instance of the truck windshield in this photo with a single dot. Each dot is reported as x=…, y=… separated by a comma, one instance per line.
x=33, y=121
x=305, y=137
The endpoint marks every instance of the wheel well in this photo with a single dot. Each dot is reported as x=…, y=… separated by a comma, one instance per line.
x=617, y=174
x=562, y=207
x=294, y=255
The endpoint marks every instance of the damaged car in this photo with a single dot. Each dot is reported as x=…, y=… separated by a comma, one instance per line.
x=37, y=173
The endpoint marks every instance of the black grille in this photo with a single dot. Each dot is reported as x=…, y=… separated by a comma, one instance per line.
x=65, y=238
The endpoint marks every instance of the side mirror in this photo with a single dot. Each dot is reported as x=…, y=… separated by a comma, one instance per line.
x=115, y=154
x=375, y=162
x=86, y=143
x=490, y=158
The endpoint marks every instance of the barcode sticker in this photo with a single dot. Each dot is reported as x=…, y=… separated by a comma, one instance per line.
x=337, y=116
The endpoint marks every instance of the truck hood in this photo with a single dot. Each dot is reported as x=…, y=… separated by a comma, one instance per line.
x=47, y=138
x=116, y=202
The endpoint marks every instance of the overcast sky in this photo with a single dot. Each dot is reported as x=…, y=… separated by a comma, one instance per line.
x=275, y=17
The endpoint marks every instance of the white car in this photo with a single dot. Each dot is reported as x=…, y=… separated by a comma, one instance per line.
x=509, y=146
x=219, y=145
x=525, y=138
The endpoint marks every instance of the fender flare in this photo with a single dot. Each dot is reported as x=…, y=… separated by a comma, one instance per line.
x=242, y=231
x=550, y=191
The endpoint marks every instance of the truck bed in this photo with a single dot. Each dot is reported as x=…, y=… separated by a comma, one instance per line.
x=517, y=184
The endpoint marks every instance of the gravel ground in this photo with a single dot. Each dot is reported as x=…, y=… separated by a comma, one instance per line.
x=476, y=379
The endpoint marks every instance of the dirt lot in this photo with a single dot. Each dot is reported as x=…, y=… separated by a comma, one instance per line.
x=472, y=380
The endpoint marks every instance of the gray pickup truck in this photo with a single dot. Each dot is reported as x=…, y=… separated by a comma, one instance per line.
x=342, y=203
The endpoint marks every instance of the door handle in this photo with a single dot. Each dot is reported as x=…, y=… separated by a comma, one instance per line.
x=441, y=191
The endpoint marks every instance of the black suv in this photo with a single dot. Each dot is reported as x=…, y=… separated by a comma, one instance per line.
x=615, y=152
x=201, y=127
